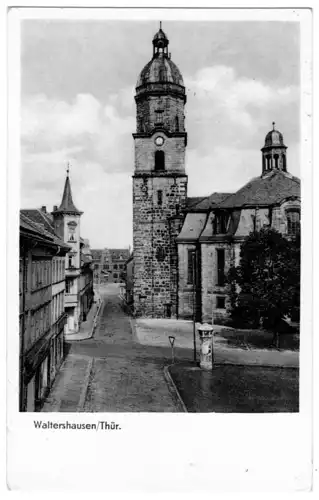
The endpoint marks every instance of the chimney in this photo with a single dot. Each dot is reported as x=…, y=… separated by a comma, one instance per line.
x=44, y=209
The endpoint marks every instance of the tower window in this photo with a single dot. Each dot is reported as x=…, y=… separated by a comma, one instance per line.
x=160, y=198
x=176, y=124
x=220, y=266
x=276, y=157
x=159, y=117
x=191, y=266
x=293, y=220
x=284, y=166
x=159, y=160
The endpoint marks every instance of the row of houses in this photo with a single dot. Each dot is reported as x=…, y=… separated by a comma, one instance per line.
x=55, y=293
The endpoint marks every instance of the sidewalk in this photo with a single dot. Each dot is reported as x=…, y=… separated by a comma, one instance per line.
x=155, y=332
x=87, y=327
x=70, y=386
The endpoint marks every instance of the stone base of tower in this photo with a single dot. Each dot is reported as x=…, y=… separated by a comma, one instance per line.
x=153, y=307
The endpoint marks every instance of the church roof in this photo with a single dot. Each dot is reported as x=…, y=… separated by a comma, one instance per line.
x=193, y=225
x=264, y=191
x=160, y=69
x=274, y=138
x=193, y=200
x=208, y=202
x=67, y=204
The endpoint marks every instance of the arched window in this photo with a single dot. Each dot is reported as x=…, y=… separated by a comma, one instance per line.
x=276, y=161
x=293, y=222
x=159, y=160
x=268, y=159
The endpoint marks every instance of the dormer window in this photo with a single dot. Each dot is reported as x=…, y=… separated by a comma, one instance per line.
x=221, y=223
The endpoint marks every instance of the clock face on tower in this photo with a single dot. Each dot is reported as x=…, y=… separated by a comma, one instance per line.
x=159, y=141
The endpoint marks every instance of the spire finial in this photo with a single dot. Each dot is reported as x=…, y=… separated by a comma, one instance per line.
x=160, y=25
x=273, y=125
x=68, y=169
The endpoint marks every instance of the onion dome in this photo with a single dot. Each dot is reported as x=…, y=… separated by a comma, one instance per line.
x=274, y=138
x=161, y=68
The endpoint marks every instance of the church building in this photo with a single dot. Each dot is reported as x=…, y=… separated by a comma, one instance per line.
x=183, y=247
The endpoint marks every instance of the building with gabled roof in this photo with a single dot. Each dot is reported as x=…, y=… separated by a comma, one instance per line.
x=109, y=264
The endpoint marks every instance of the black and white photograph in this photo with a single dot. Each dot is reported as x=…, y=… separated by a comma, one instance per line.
x=161, y=216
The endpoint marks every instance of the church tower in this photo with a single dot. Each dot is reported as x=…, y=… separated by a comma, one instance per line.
x=67, y=226
x=159, y=182
x=274, y=152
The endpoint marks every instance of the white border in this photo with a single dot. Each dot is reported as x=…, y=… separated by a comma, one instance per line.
x=222, y=459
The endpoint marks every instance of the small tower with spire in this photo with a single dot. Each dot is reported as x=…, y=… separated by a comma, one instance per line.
x=67, y=225
x=274, y=152
x=67, y=216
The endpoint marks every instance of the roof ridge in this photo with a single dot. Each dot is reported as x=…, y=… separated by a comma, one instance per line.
x=45, y=216
x=36, y=225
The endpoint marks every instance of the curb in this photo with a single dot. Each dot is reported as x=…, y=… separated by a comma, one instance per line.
x=90, y=335
x=95, y=318
x=84, y=392
x=173, y=389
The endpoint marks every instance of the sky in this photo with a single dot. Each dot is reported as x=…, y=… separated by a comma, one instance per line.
x=77, y=105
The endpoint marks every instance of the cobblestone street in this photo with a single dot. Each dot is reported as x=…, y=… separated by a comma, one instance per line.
x=112, y=372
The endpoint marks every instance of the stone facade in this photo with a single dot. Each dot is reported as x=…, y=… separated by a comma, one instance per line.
x=155, y=227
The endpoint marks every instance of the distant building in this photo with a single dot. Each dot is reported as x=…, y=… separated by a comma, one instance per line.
x=41, y=307
x=109, y=264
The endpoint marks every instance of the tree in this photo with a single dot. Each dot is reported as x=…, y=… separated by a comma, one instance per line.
x=265, y=286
